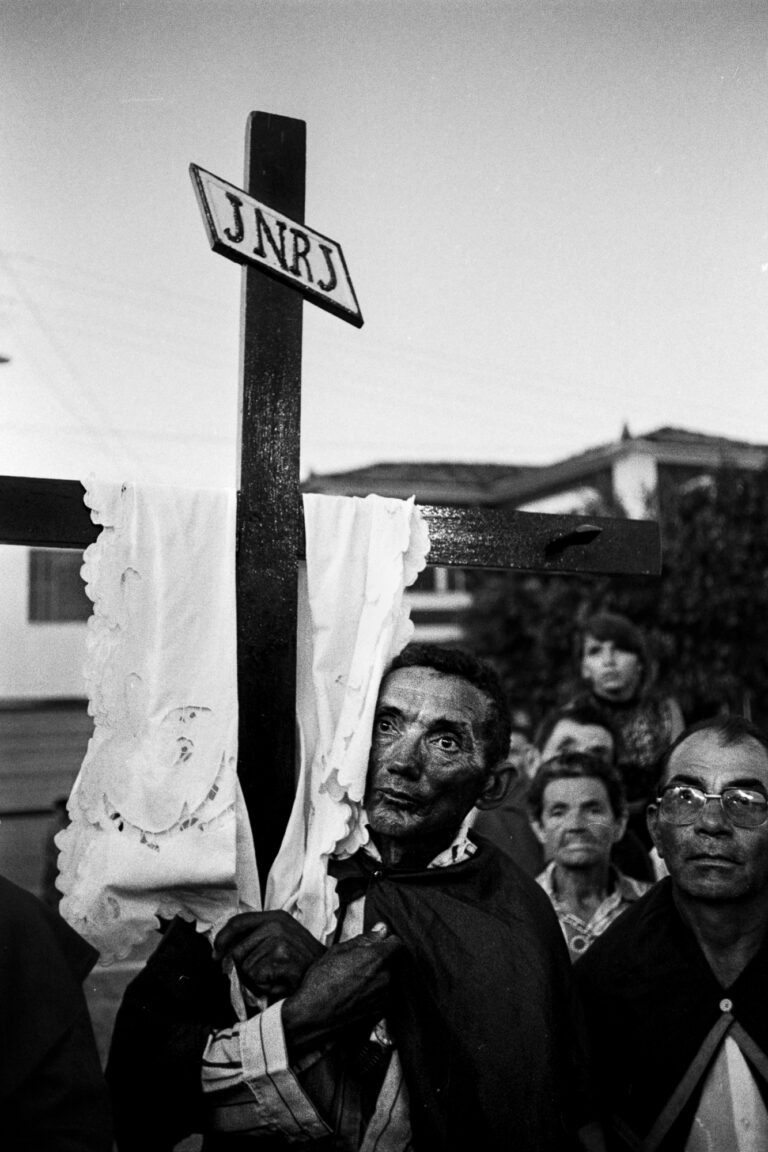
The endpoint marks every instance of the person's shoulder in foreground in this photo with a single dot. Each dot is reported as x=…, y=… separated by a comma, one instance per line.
x=52, y=1092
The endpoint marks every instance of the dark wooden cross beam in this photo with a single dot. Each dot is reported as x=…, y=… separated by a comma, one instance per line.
x=270, y=530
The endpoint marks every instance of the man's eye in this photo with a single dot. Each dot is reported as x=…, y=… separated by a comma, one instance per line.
x=384, y=724
x=447, y=743
x=745, y=798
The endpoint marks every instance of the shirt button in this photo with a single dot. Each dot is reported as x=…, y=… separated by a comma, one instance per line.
x=726, y=1005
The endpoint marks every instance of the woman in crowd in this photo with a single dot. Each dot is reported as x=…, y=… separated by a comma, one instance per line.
x=617, y=677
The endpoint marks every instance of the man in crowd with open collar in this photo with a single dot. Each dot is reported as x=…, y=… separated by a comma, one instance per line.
x=675, y=991
x=440, y=1017
x=578, y=811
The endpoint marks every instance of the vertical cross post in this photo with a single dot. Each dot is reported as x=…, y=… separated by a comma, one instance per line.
x=262, y=227
x=269, y=519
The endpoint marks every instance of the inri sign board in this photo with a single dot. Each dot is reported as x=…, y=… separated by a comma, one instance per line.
x=244, y=230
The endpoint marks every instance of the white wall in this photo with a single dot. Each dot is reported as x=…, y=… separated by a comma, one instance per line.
x=635, y=477
x=36, y=660
x=571, y=502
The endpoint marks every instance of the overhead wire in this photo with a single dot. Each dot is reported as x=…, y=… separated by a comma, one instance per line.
x=425, y=377
x=83, y=415
x=450, y=370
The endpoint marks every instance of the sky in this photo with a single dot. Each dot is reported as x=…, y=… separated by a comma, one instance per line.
x=554, y=214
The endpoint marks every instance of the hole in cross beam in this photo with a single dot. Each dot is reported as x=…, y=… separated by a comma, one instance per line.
x=583, y=534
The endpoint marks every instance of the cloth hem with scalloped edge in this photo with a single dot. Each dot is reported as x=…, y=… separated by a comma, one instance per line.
x=158, y=826
x=362, y=554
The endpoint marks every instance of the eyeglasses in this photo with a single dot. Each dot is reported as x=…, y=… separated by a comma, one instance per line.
x=683, y=804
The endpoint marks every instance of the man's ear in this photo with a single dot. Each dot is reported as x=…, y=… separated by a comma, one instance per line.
x=537, y=830
x=496, y=785
x=621, y=827
x=652, y=820
x=533, y=762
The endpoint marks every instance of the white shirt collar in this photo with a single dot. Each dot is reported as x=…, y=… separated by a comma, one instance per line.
x=461, y=848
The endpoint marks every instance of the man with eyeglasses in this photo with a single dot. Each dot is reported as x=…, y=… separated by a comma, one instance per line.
x=676, y=991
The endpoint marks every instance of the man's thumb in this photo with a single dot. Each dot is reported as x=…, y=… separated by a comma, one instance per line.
x=379, y=931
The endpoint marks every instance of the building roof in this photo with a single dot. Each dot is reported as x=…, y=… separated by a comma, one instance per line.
x=431, y=482
x=495, y=484
x=685, y=436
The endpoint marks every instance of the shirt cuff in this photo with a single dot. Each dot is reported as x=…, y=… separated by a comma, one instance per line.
x=267, y=1074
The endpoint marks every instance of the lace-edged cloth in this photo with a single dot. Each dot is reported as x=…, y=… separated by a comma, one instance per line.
x=158, y=825
x=361, y=555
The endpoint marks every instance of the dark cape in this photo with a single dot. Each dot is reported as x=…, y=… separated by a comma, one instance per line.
x=482, y=1013
x=52, y=1093
x=650, y=1000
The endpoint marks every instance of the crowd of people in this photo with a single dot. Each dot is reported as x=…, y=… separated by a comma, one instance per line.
x=551, y=942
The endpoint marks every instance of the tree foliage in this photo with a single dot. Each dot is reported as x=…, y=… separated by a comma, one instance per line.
x=706, y=617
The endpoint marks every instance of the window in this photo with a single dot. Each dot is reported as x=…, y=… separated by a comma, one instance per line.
x=56, y=589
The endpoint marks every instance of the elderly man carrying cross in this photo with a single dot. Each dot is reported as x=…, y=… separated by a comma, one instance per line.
x=675, y=991
x=440, y=1016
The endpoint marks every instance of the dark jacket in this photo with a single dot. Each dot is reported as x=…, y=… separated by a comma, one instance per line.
x=650, y=1000
x=483, y=1015
x=52, y=1093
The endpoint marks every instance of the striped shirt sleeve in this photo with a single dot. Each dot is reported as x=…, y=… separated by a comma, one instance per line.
x=249, y=1085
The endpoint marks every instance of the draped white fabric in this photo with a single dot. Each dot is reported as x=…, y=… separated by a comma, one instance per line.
x=361, y=555
x=158, y=826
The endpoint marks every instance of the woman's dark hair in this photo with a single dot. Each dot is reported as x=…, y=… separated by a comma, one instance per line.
x=625, y=635
x=620, y=629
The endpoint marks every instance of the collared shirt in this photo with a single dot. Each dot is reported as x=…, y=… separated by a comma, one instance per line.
x=253, y=1089
x=579, y=934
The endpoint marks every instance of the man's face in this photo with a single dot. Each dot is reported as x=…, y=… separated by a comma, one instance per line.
x=569, y=736
x=427, y=765
x=712, y=859
x=612, y=672
x=578, y=827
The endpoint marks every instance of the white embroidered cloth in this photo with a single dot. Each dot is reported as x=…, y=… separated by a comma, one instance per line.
x=158, y=825
x=361, y=555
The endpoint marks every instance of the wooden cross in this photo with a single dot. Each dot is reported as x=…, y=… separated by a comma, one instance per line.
x=270, y=529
